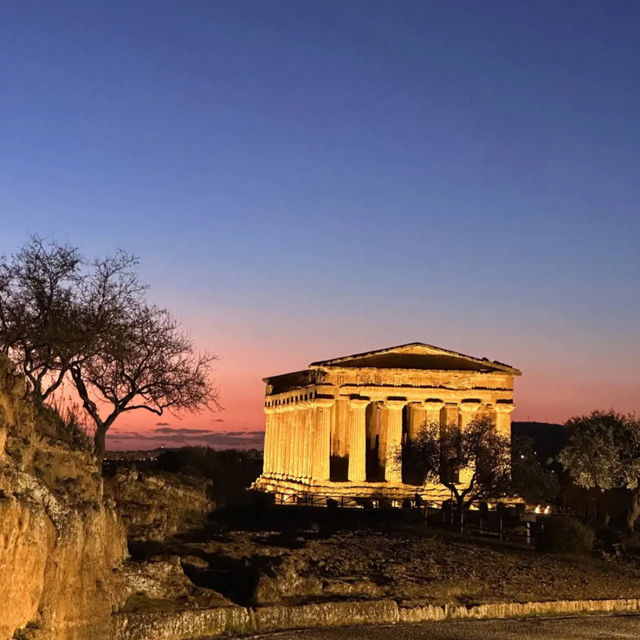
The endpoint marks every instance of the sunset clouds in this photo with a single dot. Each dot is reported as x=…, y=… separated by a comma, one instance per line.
x=180, y=437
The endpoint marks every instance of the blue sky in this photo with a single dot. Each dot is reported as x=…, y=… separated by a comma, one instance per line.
x=308, y=179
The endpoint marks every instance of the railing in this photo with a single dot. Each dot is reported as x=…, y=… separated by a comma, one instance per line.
x=332, y=500
x=506, y=524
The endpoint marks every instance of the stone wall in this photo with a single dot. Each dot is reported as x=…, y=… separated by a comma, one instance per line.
x=188, y=625
x=61, y=545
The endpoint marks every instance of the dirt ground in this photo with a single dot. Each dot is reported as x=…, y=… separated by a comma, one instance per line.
x=413, y=565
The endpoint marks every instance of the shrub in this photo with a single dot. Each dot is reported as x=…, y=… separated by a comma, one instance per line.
x=565, y=535
x=609, y=537
x=65, y=422
x=632, y=544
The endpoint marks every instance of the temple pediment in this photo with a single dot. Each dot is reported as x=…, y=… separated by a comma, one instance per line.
x=416, y=355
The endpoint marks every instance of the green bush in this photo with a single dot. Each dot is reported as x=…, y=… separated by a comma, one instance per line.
x=565, y=535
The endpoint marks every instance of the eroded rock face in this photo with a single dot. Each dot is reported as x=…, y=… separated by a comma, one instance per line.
x=61, y=545
x=160, y=578
x=157, y=505
x=283, y=580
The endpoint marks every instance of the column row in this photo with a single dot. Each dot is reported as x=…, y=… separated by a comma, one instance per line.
x=297, y=440
x=298, y=436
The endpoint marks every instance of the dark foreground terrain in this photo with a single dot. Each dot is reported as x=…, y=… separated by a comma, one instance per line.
x=583, y=628
x=295, y=559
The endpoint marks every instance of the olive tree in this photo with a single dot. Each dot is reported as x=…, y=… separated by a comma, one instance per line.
x=602, y=452
x=473, y=462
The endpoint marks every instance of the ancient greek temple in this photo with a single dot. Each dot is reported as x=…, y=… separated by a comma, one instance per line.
x=334, y=429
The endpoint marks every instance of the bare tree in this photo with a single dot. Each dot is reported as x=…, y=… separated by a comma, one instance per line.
x=61, y=315
x=146, y=362
x=38, y=306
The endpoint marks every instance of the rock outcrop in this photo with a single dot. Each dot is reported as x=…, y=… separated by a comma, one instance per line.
x=155, y=505
x=61, y=544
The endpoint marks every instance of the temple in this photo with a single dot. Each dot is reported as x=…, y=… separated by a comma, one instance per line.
x=334, y=429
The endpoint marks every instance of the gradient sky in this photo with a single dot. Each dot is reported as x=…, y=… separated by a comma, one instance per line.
x=303, y=180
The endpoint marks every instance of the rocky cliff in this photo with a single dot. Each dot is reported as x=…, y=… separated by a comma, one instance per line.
x=61, y=544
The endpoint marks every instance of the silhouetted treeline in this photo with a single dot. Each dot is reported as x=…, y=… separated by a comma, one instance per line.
x=547, y=438
x=231, y=470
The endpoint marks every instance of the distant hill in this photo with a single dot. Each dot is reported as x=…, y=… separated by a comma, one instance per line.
x=548, y=437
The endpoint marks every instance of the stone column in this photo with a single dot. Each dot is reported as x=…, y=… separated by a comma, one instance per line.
x=320, y=454
x=293, y=444
x=277, y=444
x=468, y=411
x=282, y=453
x=304, y=447
x=433, y=411
x=308, y=432
x=287, y=432
x=382, y=436
x=416, y=419
x=340, y=427
x=393, y=470
x=450, y=414
x=357, y=440
x=297, y=441
x=267, y=458
x=503, y=418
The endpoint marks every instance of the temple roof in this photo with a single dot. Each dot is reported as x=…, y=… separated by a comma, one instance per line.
x=417, y=355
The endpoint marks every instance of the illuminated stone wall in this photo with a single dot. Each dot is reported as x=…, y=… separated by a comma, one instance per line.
x=336, y=427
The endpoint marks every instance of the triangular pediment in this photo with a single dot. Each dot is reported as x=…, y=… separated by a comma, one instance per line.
x=416, y=355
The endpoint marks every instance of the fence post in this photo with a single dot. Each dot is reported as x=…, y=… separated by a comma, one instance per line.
x=528, y=533
x=500, y=527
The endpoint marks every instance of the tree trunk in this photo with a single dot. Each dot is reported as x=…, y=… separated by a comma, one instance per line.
x=461, y=514
x=633, y=513
x=99, y=443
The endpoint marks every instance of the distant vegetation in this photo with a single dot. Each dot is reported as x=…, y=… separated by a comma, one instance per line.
x=602, y=452
x=232, y=471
